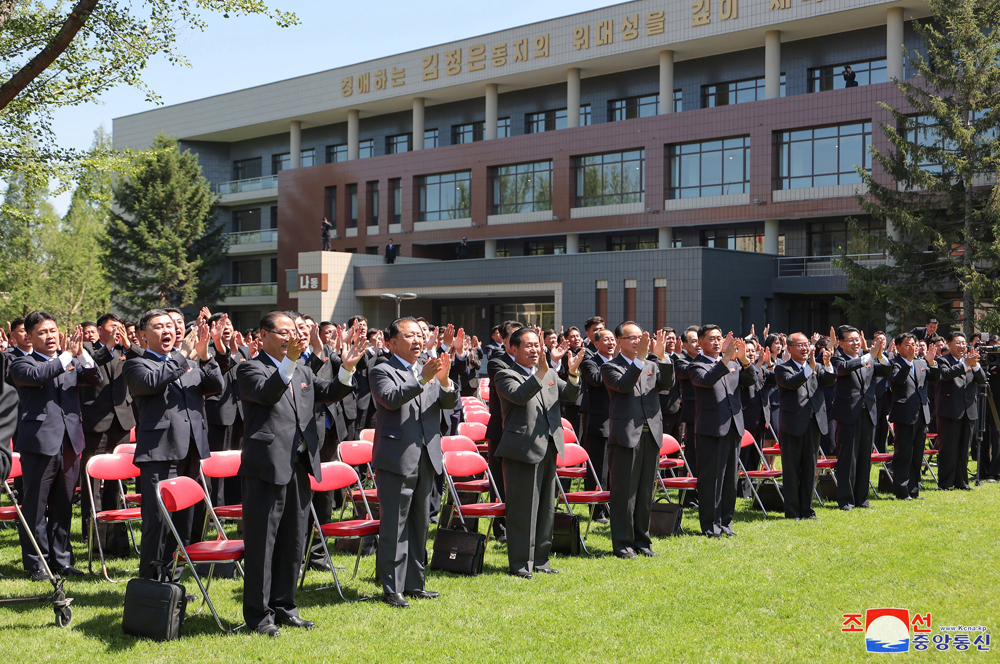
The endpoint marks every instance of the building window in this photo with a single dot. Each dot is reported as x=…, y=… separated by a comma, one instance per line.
x=274, y=216
x=743, y=238
x=630, y=299
x=633, y=241
x=712, y=168
x=445, y=196
x=610, y=179
x=366, y=148
x=522, y=188
x=245, y=220
x=824, y=156
x=331, y=205
x=247, y=168
x=827, y=238
x=352, y=197
x=503, y=127
x=633, y=107
x=396, y=193
x=536, y=123
x=678, y=101
x=545, y=246
x=373, y=203
x=280, y=162
x=467, y=133
x=246, y=272
x=430, y=138
x=923, y=131
x=307, y=157
x=335, y=153
x=398, y=144
x=735, y=92
x=866, y=72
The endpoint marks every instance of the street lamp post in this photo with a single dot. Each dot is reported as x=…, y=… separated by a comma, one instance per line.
x=399, y=298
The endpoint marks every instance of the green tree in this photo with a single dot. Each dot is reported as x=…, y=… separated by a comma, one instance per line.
x=26, y=217
x=164, y=248
x=941, y=156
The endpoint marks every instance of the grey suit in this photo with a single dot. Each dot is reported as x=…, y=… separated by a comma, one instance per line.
x=910, y=414
x=532, y=435
x=406, y=457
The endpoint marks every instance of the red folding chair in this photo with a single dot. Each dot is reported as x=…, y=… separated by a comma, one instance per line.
x=129, y=448
x=767, y=473
x=359, y=453
x=478, y=416
x=179, y=494
x=465, y=444
x=471, y=401
x=569, y=436
x=930, y=451
x=109, y=468
x=484, y=390
x=339, y=475
x=882, y=459
x=220, y=465
x=469, y=464
x=670, y=446
x=476, y=432
x=368, y=435
x=10, y=513
x=574, y=456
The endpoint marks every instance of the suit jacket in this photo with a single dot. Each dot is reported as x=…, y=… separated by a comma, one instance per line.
x=671, y=401
x=599, y=415
x=390, y=251
x=50, y=403
x=494, y=430
x=856, y=386
x=956, y=391
x=222, y=407
x=717, y=395
x=634, y=396
x=909, y=390
x=102, y=404
x=469, y=379
x=278, y=416
x=682, y=362
x=343, y=412
x=531, y=412
x=802, y=397
x=408, y=417
x=9, y=404
x=755, y=408
x=170, y=398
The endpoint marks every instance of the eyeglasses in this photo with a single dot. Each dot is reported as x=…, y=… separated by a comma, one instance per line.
x=281, y=333
x=634, y=337
x=804, y=344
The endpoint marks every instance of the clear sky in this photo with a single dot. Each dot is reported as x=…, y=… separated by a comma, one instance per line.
x=233, y=54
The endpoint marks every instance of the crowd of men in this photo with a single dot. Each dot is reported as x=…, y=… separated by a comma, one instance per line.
x=287, y=393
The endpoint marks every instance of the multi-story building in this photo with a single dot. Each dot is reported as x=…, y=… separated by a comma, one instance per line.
x=669, y=162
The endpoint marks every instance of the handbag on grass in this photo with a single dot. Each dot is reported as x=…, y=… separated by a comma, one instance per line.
x=665, y=519
x=566, y=534
x=459, y=552
x=154, y=609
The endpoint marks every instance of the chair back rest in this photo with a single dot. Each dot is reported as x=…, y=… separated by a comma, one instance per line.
x=464, y=464
x=566, y=423
x=125, y=448
x=131, y=435
x=222, y=464
x=111, y=467
x=458, y=444
x=573, y=455
x=179, y=493
x=355, y=452
x=336, y=475
x=569, y=436
x=478, y=416
x=669, y=446
x=472, y=430
x=368, y=434
x=747, y=439
x=15, y=466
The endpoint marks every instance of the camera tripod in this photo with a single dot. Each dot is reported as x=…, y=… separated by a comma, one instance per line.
x=984, y=398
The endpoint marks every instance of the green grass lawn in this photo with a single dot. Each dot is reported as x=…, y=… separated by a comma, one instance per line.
x=776, y=592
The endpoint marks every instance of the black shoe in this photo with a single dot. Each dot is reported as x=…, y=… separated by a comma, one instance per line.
x=39, y=575
x=919, y=498
x=547, y=570
x=521, y=574
x=965, y=488
x=813, y=517
x=69, y=571
x=626, y=554
x=847, y=508
x=729, y=533
x=867, y=506
x=267, y=630
x=795, y=518
x=320, y=566
x=422, y=594
x=602, y=519
x=295, y=621
x=191, y=598
x=396, y=600
x=646, y=551
x=502, y=539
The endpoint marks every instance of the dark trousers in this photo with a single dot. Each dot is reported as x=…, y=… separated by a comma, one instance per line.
x=597, y=449
x=854, y=460
x=325, y=502
x=405, y=510
x=672, y=425
x=717, y=464
x=633, y=472
x=953, y=459
x=326, y=243
x=881, y=430
x=274, y=527
x=990, y=468
x=798, y=466
x=908, y=456
x=496, y=469
x=103, y=442
x=158, y=544
x=48, y=486
x=530, y=510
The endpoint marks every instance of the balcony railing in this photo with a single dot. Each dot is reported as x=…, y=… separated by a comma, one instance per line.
x=253, y=237
x=250, y=184
x=250, y=290
x=822, y=266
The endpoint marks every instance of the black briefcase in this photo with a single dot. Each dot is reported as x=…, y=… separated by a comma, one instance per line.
x=885, y=482
x=665, y=519
x=114, y=539
x=769, y=495
x=459, y=552
x=154, y=609
x=566, y=534
x=827, y=487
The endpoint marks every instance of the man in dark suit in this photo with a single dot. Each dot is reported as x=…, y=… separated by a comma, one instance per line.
x=689, y=350
x=410, y=396
x=636, y=434
x=390, y=252
x=496, y=346
x=575, y=411
x=910, y=413
x=802, y=421
x=20, y=340
x=50, y=439
x=530, y=393
x=494, y=430
x=957, y=410
x=280, y=450
x=855, y=410
x=171, y=435
x=595, y=440
x=926, y=332
x=717, y=374
x=756, y=414
x=671, y=401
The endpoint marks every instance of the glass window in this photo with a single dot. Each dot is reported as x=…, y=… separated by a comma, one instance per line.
x=307, y=157
x=396, y=191
x=545, y=247
x=735, y=92
x=246, y=220
x=678, y=101
x=633, y=107
x=467, y=133
x=712, y=168
x=335, y=153
x=923, y=131
x=430, y=138
x=633, y=241
x=536, y=123
x=831, y=77
x=741, y=238
x=280, y=162
x=522, y=188
x=398, y=144
x=445, y=196
x=824, y=156
x=827, y=238
x=274, y=216
x=331, y=204
x=366, y=148
x=503, y=127
x=373, y=203
x=247, y=168
x=609, y=179
x=352, y=195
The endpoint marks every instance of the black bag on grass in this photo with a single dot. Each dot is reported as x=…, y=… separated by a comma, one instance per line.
x=154, y=609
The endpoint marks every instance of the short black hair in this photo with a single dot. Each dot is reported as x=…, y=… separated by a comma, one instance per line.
x=150, y=315
x=509, y=326
x=307, y=317
x=844, y=330
x=217, y=316
x=293, y=315
x=936, y=338
x=518, y=335
x=174, y=310
x=269, y=320
x=36, y=318
x=354, y=319
x=325, y=324
x=904, y=336
x=705, y=329
x=668, y=330
x=597, y=335
x=591, y=322
x=572, y=328
x=104, y=318
x=933, y=320
x=620, y=330
x=393, y=330
x=130, y=323
x=494, y=330
x=951, y=335
x=16, y=323
x=88, y=323
x=878, y=332
x=548, y=332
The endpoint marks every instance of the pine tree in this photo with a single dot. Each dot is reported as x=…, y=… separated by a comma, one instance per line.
x=947, y=222
x=26, y=216
x=164, y=248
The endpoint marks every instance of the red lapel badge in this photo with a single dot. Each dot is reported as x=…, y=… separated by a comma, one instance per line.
x=649, y=373
x=303, y=386
x=326, y=359
x=551, y=383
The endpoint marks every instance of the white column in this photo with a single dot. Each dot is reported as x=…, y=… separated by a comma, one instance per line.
x=572, y=243
x=892, y=231
x=771, y=236
x=353, y=133
x=295, y=143
x=418, y=123
x=666, y=82
x=573, y=97
x=666, y=237
x=772, y=64
x=490, y=130
x=491, y=248
x=894, y=43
